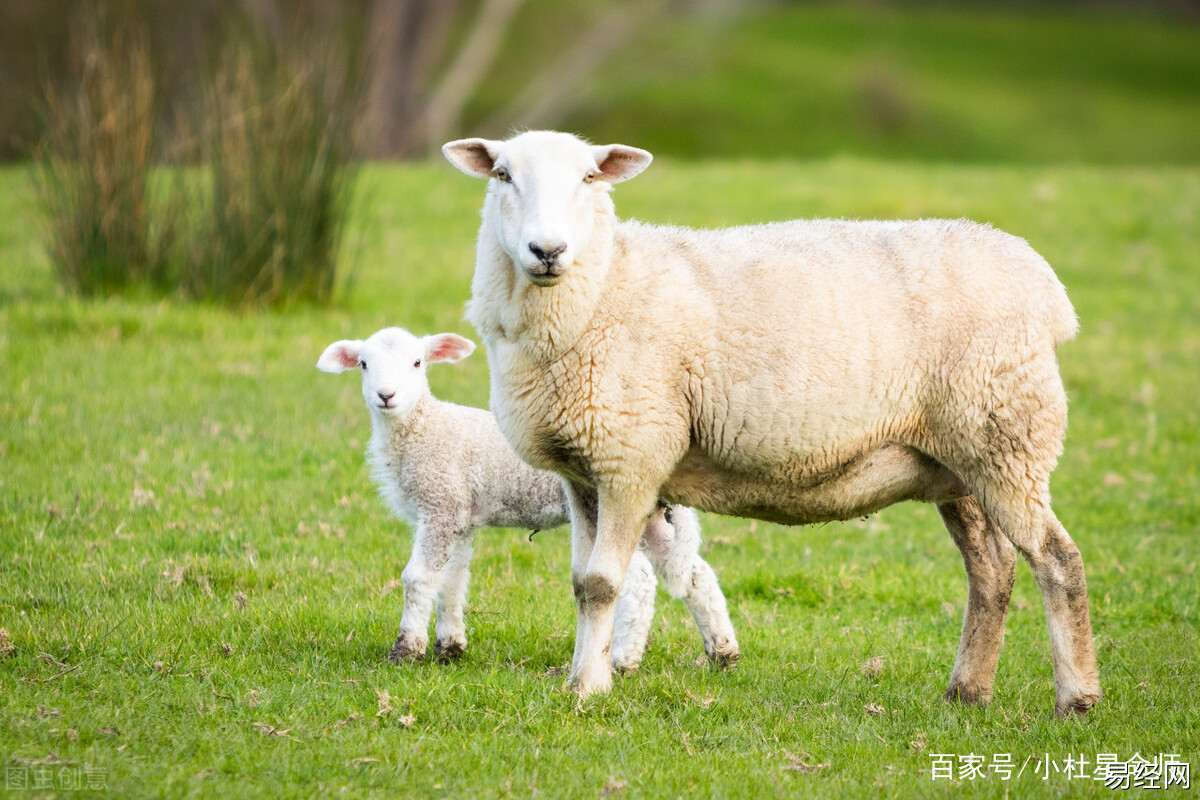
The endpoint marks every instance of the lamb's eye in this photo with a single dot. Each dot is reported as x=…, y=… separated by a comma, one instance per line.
x=417, y=363
x=502, y=175
x=363, y=364
x=591, y=176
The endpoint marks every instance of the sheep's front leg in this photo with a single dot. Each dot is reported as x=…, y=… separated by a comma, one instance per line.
x=422, y=578
x=672, y=541
x=598, y=581
x=451, y=641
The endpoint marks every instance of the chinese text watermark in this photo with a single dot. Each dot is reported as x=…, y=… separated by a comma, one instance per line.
x=1159, y=771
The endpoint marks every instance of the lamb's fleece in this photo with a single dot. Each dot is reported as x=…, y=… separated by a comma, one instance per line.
x=447, y=470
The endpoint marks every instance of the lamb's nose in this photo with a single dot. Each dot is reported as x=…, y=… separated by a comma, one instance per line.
x=385, y=396
x=547, y=252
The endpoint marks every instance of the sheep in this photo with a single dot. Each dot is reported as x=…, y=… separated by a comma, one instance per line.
x=447, y=470
x=794, y=372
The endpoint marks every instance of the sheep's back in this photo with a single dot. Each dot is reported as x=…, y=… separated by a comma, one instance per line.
x=822, y=336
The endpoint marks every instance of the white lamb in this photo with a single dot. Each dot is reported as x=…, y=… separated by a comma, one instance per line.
x=795, y=372
x=447, y=470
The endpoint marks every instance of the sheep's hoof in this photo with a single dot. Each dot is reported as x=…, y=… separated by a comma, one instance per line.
x=1077, y=706
x=407, y=649
x=583, y=689
x=449, y=650
x=724, y=655
x=968, y=695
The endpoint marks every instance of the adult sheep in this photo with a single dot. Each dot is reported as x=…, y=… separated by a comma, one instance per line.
x=796, y=372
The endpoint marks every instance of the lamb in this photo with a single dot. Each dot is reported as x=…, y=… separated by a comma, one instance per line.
x=794, y=372
x=447, y=470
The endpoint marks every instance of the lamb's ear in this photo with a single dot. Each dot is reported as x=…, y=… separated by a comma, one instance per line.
x=340, y=356
x=447, y=347
x=619, y=162
x=476, y=157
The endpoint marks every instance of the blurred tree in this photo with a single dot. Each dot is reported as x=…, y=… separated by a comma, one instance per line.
x=424, y=59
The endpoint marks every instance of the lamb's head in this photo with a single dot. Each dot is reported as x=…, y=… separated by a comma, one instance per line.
x=393, y=363
x=543, y=193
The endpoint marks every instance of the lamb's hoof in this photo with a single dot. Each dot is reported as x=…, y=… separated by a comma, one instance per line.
x=1076, y=706
x=626, y=667
x=968, y=695
x=407, y=649
x=449, y=650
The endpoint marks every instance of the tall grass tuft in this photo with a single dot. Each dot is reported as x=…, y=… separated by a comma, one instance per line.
x=279, y=143
x=248, y=209
x=105, y=230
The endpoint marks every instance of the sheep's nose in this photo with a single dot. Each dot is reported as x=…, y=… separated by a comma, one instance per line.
x=385, y=396
x=547, y=252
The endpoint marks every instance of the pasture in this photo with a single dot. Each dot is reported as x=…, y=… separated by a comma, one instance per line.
x=198, y=585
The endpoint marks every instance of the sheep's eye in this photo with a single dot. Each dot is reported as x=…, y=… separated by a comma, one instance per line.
x=502, y=175
x=363, y=364
x=591, y=176
x=417, y=363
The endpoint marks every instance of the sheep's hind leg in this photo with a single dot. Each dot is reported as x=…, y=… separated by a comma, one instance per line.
x=422, y=578
x=620, y=523
x=672, y=541
x=1058, y=568
x=1007, y=464
x=634, y=614
x=451, y=630
x=990, y=562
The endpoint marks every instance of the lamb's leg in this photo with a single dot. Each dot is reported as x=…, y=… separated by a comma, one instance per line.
x=672, y=541
x=422, y=577
x=582, y=502
x=621, y=520
x=451, y=639
x=634, y=613
x=990, y=562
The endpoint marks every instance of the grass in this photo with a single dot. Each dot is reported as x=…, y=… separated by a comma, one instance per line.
x=195, y=571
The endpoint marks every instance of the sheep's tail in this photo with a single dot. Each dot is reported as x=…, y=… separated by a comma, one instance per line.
x=1064, y=322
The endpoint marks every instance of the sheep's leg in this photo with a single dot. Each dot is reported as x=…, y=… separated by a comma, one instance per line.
x=620, y=523
x=634, y=613
x=1006, y=461
x=451, y=630
x=1058, y=568
x=422, y=577
x=672, y=541
x=990, y=562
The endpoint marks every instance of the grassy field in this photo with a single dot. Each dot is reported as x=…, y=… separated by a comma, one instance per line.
x=197, y=584
x=982, y=82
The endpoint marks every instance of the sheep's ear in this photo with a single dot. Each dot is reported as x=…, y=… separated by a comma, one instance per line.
x=447, y=347
x=339, y=356
x=619, y=162
x=476, y=157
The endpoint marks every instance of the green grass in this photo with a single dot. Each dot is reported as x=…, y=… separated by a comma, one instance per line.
x=187, y=527
x=978, y=82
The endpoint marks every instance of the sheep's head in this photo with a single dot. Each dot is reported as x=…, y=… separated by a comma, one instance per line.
x=393, y=364
x=543, y=186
